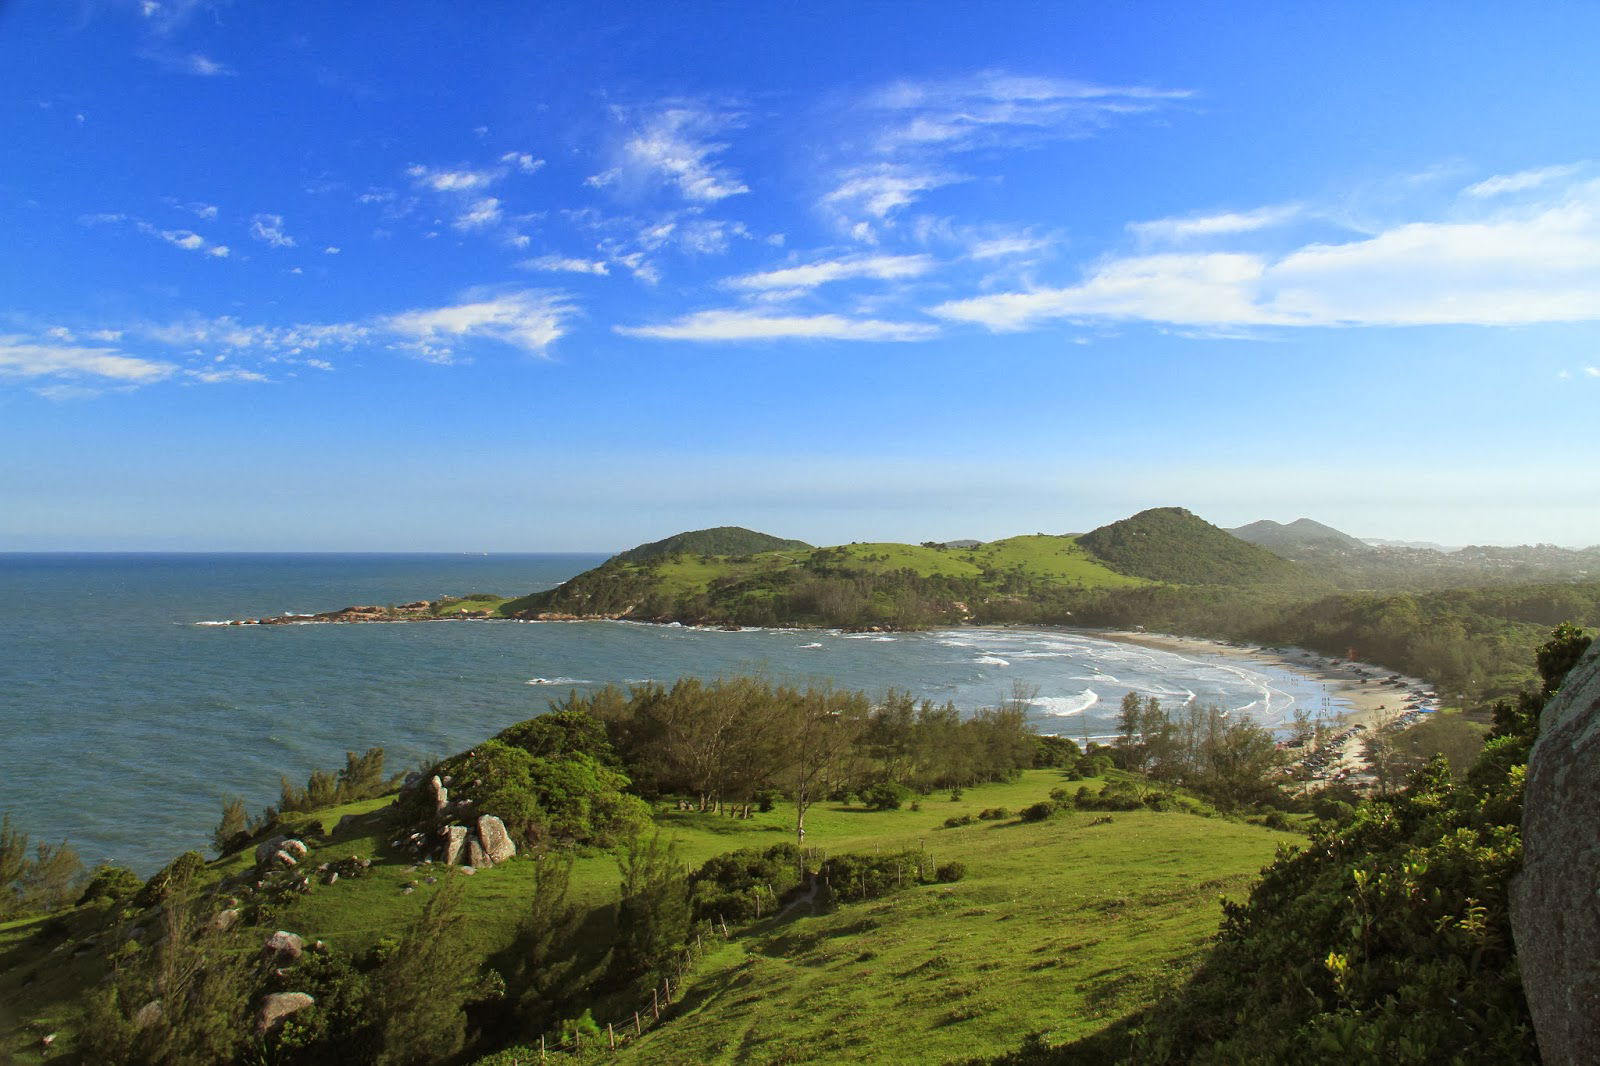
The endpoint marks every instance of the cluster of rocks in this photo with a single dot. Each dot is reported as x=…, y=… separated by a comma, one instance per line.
x=279, y=853
x=481, y=844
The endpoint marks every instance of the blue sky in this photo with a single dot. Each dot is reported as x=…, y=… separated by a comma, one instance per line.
x=572, y=276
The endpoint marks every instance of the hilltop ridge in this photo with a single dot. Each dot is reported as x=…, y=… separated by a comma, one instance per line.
x=718, y=540
x=1173, y=545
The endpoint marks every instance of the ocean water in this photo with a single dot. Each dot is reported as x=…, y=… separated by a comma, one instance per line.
x=125, y=722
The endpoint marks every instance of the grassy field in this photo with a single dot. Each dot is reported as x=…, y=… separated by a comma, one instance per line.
x=1056, y=559
x=1059, y=926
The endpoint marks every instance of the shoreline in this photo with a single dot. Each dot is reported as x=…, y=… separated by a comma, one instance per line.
x=1363, y=686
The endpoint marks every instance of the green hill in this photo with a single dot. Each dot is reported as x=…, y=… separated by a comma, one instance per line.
x=851, y=585
x=721, y=540
x=1170, y=544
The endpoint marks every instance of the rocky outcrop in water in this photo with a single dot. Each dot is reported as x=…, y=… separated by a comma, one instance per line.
x=1555, y=900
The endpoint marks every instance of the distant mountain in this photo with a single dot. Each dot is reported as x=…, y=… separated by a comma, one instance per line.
x=722, y=540
x=1298, y=537
x=1171, y=544
x=1426, y=545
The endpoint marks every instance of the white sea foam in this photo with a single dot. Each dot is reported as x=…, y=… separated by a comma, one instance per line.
x=810, y=645
x=991, y=660
x=557, y=681
x=1065, y=706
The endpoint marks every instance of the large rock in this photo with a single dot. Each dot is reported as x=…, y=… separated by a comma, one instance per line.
x=476, y=857
x=455, y=844
x=441, y=795
x=497, y=844
x=147, y=1015
x=266, y=848
x=278, y=1006
x=1555, y=900
x=285, y=945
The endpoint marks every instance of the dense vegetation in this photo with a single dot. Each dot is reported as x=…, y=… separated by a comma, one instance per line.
x=1171, y=544
x=722, y=540
x=1386, y=938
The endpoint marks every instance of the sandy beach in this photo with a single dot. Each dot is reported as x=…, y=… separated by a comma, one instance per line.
x=1362, y=685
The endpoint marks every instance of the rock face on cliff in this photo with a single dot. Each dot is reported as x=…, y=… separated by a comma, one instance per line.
x=1555, y=900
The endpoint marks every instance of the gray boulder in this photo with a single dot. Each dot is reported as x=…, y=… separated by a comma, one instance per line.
x=1555, y=900
x=147, y=1015
x=476, y=857
x=285, y=944
x=497, y=844
x=265, y=849
x=455, y=844
x=441, y=795
x=222, y=921
x=278, y=1006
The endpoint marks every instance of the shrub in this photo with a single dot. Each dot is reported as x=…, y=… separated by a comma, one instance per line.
x=850, y=877
x=949, y=872
x=1038, y=812
x=885, y=796
x=737, y=885
x=994, y=814
x=957, y=820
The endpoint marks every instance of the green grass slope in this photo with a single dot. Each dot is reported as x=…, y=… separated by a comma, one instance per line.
x=1059, y=925
x=1170, y=544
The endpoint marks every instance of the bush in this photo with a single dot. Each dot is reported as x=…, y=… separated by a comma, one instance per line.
x=950, y=872
x=851, y=877
x=885, y=796
x=957, y=820
x=994, y=814
x=1038, y=812
x=738, y=885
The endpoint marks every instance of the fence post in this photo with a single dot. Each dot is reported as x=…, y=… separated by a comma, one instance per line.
x=611, y=1034
x=655, y=1001
x=637, y=1028
x=541, y=1047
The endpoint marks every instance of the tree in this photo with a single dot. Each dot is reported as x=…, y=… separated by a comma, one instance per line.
x=234, y=821
x=185, y=1001
x=423, y=986
x=822, y=735
x=653, y=914
x=550, y=923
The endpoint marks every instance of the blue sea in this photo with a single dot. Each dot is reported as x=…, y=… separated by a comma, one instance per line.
x=126, y=721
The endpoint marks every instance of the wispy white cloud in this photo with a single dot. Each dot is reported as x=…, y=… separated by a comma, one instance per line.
x=677, y=145
x=226, y=375
x=188, y=240
x=560, y=264
x=995, y=107
x=528, y=320
x=808, y=276
x=1009, y=246
x=1521, y=181
x=1536, y=263
x=331, y=249
x=461, y=180
x=24, y=357
x=523, y=162
x=1224, y=223
x=741, y=325
x=269, y=230
x=202, y=210
x=204, y=66
x=479, y=214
